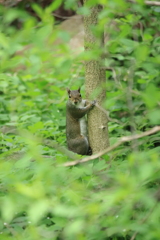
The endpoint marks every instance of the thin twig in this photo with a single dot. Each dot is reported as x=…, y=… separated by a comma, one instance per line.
x=107, y=114
x=114, y=146
x=113, y=71
x=11, y=230
x=130, y=100
x=114, y=75
x=131, y=109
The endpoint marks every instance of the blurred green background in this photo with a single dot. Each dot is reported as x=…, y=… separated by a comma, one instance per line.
x=116, y=198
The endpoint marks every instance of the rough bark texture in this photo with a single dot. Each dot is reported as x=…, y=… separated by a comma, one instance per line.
x=95, y=79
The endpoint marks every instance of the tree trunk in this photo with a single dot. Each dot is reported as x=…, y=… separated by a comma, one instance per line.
x=95, y=79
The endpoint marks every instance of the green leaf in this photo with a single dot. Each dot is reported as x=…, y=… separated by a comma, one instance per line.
x=141, y=53
x=151, y=95
x=37, y=210
x=35, y=127
x=154, y=116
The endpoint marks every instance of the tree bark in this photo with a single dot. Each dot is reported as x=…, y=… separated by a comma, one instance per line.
x=95, y=79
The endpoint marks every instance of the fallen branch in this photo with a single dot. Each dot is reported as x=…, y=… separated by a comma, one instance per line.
x=150, y=3
x=109, y=149
x=154, y=3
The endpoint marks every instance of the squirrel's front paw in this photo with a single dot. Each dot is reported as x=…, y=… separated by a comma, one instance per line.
x=93, y=103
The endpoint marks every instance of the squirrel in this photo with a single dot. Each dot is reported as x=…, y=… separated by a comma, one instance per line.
x=76, y=125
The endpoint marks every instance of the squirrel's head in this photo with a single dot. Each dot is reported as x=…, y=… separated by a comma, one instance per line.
x=74, y=96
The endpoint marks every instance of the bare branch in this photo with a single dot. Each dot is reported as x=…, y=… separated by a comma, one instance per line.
x=150, y=3
x=114, y=146
x=155, y=3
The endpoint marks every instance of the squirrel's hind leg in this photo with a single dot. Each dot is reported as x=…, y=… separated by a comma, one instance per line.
x=79, y=145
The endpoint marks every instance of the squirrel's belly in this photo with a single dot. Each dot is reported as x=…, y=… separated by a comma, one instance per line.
x=83, y=126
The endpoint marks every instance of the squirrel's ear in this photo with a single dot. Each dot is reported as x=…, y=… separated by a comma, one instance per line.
x=79, y=89
x=68, y=90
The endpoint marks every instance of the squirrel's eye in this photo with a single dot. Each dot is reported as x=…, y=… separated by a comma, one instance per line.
x=69, y=96
x=80, y=95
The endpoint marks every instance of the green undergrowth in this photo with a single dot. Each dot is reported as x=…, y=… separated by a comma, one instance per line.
x=116, y=197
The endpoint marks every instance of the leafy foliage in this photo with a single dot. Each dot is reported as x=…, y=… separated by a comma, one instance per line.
x=115, y=198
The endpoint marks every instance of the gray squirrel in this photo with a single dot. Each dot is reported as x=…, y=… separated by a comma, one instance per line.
x=76, y=126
